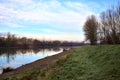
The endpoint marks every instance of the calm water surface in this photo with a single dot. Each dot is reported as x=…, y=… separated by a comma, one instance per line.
x=13, y=58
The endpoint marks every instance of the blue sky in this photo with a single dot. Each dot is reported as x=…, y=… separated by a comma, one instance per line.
x=49, y=19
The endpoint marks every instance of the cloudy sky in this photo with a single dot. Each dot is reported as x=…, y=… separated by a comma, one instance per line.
x=49, y=19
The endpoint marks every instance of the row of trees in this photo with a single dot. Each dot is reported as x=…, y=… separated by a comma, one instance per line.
x=105, y=31
x=10, y=40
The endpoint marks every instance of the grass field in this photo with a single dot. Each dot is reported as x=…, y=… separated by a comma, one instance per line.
x=84, y=63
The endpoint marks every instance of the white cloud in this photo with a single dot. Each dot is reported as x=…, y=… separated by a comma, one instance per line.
x=47, y=12
x=21, y=1
x=14, y=25
x=65, y=14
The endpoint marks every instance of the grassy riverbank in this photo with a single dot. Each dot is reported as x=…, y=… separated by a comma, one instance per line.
x=84, y=63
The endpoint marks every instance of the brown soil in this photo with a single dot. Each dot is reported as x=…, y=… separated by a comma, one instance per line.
x=39, y=64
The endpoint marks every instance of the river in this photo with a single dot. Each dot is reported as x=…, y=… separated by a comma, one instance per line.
x=13, y=58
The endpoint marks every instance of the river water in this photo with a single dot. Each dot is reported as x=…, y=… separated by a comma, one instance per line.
x=14, y=58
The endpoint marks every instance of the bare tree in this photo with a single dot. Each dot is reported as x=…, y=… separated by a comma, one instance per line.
x=90, y=29
x=110, y=25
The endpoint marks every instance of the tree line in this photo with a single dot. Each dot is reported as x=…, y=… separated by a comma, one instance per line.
x=11, y=40
x=106, y=30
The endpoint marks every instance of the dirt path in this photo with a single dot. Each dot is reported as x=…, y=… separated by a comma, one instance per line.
x=39, y=64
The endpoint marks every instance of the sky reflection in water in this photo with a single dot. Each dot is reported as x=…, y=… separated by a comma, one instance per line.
x=14, y=58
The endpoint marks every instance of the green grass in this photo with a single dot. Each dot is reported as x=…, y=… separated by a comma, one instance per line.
x=84, y=63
